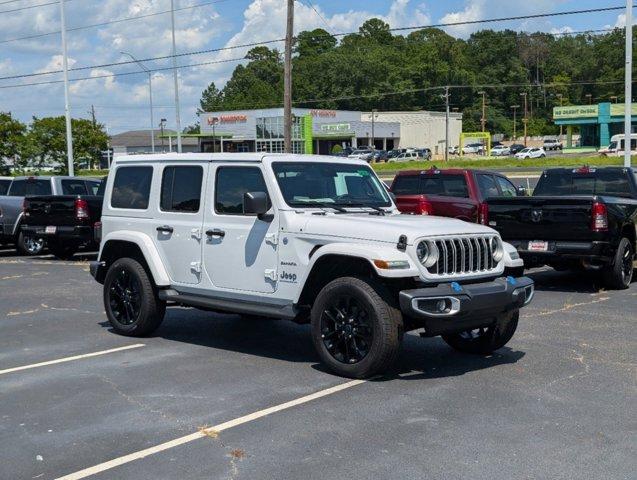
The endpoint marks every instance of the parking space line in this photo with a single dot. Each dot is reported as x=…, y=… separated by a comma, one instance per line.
x=70, y=359
x=87, y=472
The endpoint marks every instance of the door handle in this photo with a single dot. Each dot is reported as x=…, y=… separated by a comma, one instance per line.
x=165, y=229
x=215, y=233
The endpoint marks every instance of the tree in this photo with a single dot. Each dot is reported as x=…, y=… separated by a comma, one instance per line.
x=211, y=99
x=47, y=142
x=11, y=137
x=313, y=43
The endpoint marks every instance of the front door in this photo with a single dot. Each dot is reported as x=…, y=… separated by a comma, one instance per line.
x=178, y=233
x=239, y=250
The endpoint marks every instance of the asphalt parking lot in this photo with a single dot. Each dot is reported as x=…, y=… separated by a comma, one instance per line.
x=558, y=402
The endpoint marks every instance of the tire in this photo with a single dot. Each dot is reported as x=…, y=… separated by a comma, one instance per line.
x=29, y=245
x=130, y=299
x=483, y=341
x=61, y=251
x=367, y=332
x=619, y=274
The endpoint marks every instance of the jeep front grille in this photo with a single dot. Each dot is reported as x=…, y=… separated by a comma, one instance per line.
x=458, y=255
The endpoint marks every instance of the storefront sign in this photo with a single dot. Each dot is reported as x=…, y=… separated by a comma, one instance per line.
x=575, y=111
x=618, y=109
x=323, y=113
x=226, y=119
x=335, y=127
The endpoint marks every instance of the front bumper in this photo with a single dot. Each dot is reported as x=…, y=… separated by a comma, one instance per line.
x=559, y=251
x=466, y=306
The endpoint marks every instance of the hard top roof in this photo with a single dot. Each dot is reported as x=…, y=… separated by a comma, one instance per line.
x=233, y=157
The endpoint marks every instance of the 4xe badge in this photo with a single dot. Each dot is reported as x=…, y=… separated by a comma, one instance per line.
x=288, y=277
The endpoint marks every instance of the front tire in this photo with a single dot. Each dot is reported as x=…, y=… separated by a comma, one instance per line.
x=485, y=340
x=29, y=245
x=356, y=327
x=619, y=274
x=130, y=299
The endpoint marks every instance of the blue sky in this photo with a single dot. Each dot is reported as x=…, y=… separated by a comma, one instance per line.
x=121, y=102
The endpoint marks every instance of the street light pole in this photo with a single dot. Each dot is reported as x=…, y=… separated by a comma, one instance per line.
x=373, y=145
x=526, y=115
x=175, y=76
x=515, y=123
x=446, y=95
x=561, y=97
x=67, y=108
x=628, y=106
x=287, y=79
x=150, y=94
x=161, y=127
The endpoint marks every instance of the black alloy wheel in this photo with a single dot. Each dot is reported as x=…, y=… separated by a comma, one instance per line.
x=125, y=297
x=346, y=330
x=619, y=274
x=627, y=265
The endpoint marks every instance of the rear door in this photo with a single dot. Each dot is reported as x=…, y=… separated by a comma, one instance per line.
x=178, y=230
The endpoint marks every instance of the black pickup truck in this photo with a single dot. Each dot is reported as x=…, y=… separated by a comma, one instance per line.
x=67, y=222
x=576, y=218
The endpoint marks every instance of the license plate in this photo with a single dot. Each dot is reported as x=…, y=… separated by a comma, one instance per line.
x=50, y=230
x=538, y=246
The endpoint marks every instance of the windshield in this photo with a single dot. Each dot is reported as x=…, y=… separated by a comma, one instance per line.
x=600, y=182
x=524, y=150
x=305, y=184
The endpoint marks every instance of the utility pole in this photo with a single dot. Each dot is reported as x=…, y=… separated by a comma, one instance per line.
x=561, y=97
x=483, y=120
x=526, y=115
x=150, y=94
x=161, y=128
x=67, y=108
x=446, y=97
x=628, y=106
x=92, y=112
x=287, y=79
x=515, y=121
x=374, y=114
x=175, y=76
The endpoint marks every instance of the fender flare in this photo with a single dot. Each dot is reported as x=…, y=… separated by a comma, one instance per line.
x=365, y=252
x=148, y=249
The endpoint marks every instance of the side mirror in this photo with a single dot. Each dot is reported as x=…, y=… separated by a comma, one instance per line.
x=521, y=192
x=255, y=203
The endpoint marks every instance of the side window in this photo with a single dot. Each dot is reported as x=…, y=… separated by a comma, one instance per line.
x=487, y=185
x=4, y=186
x=232, y=183
x=131, y=187
x=508, y=189
x=181, y=189
x=73, y=187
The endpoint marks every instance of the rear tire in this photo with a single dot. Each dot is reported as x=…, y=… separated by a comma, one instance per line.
x=29, y=245
x=130, y=299
x=357, y=327
x=483, y=341
x=619, y=275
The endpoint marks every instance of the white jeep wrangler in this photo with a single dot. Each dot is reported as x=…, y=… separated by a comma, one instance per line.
x=311, y=239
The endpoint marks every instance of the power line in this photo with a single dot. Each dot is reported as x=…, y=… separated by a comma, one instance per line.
x=103, y=24
x=122, y=74
x=467, y=22
x=311, y=5
x=29, y=7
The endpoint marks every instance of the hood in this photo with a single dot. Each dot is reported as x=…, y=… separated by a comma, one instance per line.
x=388, y=228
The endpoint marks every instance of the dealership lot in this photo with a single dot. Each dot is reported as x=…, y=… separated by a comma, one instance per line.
x=555, y=403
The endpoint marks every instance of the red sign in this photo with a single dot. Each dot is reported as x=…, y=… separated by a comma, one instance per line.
x=227, y=119
x=323, y=113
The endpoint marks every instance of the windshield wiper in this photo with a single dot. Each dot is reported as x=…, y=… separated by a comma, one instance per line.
x=322, y=205
x=379, y=210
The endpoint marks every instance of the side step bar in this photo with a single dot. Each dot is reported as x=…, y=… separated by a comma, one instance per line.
x=288, y=312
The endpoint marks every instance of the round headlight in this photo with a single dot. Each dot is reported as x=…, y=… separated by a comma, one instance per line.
x=427, y=253
x=497, y=250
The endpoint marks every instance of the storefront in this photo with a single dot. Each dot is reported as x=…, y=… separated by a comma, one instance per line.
x=314, y=131
x=596, y=123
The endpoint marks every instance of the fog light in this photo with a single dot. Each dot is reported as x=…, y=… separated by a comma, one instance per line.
x=440, y=306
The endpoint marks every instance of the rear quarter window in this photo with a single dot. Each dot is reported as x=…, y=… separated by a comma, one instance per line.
x=131, y=187
x=73, y=187
x=445, y=185
x=4, y=186
x=406, y=185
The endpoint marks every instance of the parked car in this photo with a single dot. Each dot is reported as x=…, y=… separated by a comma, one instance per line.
x=616, y=146
x=576, y=218
x=454, y=150
x=362, y=154
x=500, y=151
x=531, y=152
x=406, y=157
x=393, y=154
x=304, y=239
x=66, y=222
x=5, y=182
x=379, y=156
x=516, y=148
x=552, y=144
x=11, y=206
x=456, y=193
x=424, y=153
x=473, y=148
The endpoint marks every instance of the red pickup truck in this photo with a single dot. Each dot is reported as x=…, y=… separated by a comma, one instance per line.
x=457, y=193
